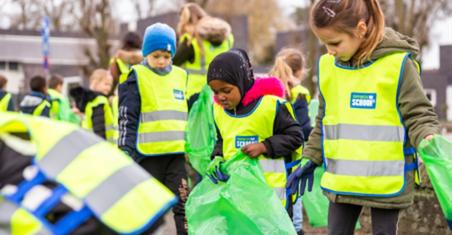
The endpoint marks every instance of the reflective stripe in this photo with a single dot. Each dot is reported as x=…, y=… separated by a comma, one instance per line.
x=111, y=190
x=65, y=151
x=272, y=165
x=7, y=210
x=161, y=136
x=110, y=128
x=281, y=192
x=196, y=71
x=163, y=115
x=364, y=132
x=365, y=168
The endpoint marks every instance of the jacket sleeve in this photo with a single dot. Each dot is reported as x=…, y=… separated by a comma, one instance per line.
x=184, y=53
x=312, y=149
x=287, y=135
x=11, y=105
x=98, y=120
x=300, y=109
x=415, y=108
x=218, y=148
x=129, y=112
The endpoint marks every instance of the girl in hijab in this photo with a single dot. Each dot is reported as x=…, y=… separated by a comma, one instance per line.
x=252, y=116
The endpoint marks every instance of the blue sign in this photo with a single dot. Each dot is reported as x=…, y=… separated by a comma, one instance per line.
x=45, y=32
x=178, y=94
x=241, y=141
x=363, y=100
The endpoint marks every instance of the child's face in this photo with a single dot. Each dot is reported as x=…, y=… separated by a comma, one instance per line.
x=228, y=94
x=159, y=59
x=339, y=44
x=104, y=85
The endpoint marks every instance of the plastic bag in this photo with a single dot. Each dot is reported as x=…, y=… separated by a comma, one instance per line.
x=437, y=156
x=245, y=204
x=200, y=132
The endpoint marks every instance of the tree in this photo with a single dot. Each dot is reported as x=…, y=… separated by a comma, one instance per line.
x=415, y=17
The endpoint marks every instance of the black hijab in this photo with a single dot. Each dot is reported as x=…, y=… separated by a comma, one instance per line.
x=233, y=67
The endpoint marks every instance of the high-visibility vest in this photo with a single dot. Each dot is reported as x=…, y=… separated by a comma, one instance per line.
x=38, y=111
x=4, y=101
x=123, y=70
x=299, y=90
x=197, y=70
x=111, y=131
x=240, y=130
x=362, y=129
x=108, y=183
x=163, y=111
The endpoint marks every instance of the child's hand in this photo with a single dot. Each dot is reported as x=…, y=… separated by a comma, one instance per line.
x=429, y=137
x=254, y=150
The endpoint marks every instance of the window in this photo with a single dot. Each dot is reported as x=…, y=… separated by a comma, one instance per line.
x=13, y=66
x=431, y=95
x=2, y=65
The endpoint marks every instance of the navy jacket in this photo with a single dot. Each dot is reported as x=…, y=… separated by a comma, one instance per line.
x=32, y=101
x=10, y=103
x=301, y=111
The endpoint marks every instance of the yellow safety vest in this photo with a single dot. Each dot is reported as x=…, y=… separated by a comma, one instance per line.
x=40, y=108
x=163, y=111
x=4, y=102
x=240, y=130
x=111, y=131
x=55, y=106
x=363, y=131
x=116, y=190
x=297, y=90
x=197, y=70
x=123, y=70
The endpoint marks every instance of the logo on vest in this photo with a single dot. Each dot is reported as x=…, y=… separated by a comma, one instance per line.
x=241, y=141
x=178, y=94
x=363, y=100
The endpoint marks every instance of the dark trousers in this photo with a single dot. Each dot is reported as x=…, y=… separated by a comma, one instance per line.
x=342, y=219
x=170, y=171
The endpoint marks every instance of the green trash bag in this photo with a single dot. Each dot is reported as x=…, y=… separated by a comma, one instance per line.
x=200, y=132
x=316, y=203
x=437, y=156
x=245, y=204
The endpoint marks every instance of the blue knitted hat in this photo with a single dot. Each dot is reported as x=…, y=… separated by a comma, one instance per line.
x=159, y=36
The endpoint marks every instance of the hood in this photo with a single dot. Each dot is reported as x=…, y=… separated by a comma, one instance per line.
x=262, y=86
x=212, y=29
x=129, y=57
x=33, y=99
x=395, y=42
x=82, y=96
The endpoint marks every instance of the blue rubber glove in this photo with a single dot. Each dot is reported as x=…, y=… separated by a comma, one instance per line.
x=214, y=170
x=302, y=175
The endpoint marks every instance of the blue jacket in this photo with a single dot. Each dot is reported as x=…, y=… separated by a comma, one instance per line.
x=32, y=101
x=129, y=113
x=10, y=103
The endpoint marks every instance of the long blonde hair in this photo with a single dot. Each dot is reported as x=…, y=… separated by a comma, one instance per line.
x=189, y=16
x=288, y=62
x=344, y=16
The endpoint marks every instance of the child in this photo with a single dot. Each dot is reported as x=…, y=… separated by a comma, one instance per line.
x=37, y=103
x=372, y=114
x=98, y=115
x=6, y=101
x=201, y=38
x=61, y=109
x=251, y=116
x=289, y=69
x=153, y=113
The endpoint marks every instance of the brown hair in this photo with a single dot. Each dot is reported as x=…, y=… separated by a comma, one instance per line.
x=38, y=83
x=3, y=81
x=189, y=16
x=55, y=80
x=344, y=16
x=288, y=62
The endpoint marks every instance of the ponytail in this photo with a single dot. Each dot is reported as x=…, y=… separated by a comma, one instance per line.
x=283, y=72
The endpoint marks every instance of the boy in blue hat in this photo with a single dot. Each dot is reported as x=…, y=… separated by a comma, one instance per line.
x=153, y=114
